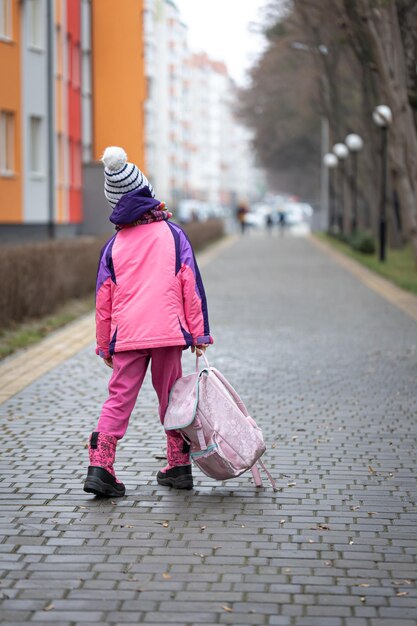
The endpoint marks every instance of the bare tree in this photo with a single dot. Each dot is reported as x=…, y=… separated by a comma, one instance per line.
x=377, y=37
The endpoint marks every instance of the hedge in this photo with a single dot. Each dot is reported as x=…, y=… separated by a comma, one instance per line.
x=38, y=277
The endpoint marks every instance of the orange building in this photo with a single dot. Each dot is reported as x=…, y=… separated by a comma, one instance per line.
x=118, y=83
x=72, y=81
x=11, y=186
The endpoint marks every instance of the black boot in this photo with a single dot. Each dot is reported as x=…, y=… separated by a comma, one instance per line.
x=101, y=478
x=100, y=482
x=179, y=477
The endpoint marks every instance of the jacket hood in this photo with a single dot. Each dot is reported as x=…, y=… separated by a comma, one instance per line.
x=133, y=205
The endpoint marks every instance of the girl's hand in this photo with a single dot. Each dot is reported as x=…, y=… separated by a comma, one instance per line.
x=199, y=349
x=109, y=362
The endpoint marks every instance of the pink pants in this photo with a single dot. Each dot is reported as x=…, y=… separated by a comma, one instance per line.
x=129, y=369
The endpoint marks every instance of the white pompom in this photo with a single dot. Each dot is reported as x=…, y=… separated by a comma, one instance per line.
x=114, y=158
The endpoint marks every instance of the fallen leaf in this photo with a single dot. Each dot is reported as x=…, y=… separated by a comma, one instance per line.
x=166, y=576
x=291, y=484
x=199, y=554
x=165, y=524
x=203, y=527
x=363, y=599
x=371, y=469
x=351, y=542
x=354, y=508
x=48, y=607
x=401, y=594
x=364, y=585
x=217, y=547
x=370, y=513
x=282, y=521
x=227, y=608
x=274, y=445
x=126, y=526
x=320, y=527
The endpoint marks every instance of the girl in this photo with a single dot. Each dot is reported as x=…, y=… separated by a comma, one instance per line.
x=150, y=306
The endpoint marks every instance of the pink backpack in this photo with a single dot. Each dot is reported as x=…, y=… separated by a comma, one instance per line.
x=225, y=441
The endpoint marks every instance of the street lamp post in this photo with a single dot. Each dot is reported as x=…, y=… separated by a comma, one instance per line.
x=355, y=144
x=341, y=151
x=382, y=117
x=330, y=162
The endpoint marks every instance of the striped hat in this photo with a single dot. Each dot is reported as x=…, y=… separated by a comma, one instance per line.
x=121, y=177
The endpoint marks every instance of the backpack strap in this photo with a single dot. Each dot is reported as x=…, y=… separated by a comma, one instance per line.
x=271, y=480
x=257, y=475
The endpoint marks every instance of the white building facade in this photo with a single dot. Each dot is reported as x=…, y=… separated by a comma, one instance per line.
x=195, y=147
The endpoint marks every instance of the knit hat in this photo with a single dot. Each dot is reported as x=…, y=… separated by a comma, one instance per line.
x=121, y=177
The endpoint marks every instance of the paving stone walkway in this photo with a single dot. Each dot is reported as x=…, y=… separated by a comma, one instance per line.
x=329, y=369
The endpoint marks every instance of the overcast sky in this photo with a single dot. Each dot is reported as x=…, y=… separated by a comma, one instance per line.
x=221, y=28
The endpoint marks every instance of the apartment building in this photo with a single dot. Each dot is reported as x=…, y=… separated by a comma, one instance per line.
x=74, y=71
x=195, y=147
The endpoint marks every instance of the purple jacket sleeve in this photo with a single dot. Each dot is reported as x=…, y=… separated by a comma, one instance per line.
x=105, y=278
x=194, y=297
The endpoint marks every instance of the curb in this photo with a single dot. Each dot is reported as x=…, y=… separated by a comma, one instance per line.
x=400, y=298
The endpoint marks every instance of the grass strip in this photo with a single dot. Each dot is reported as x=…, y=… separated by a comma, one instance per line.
x=399, y=267
x=25, y=334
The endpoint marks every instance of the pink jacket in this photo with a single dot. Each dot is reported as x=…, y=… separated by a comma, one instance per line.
x=149, y=291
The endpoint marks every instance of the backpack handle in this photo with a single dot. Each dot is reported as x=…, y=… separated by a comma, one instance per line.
x=197, y=356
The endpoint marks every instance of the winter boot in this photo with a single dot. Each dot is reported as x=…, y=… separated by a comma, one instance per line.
x=101, y=479
x=179, y=477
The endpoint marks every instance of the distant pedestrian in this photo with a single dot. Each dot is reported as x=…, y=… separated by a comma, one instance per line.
x=281, y=221
x=241, y=212
x=150, y=306
x=269, y=222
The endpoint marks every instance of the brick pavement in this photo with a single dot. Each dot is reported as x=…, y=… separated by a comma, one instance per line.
x=328, y=368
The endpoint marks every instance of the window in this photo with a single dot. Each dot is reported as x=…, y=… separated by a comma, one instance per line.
x=36, y=145
x=35, y=29
x=5, y=19
x=6, y=143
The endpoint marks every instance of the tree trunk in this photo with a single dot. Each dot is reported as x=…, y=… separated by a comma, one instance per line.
x=388, y=53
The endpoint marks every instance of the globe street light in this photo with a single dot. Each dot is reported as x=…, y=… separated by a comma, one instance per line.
x=355, y=145
x=382, y=116
x=330, y=162
x=342, y=152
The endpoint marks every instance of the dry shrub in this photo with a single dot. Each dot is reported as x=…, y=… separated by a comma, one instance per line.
x=37, y=278
x=202, y=233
